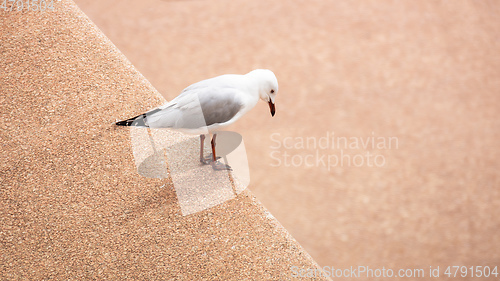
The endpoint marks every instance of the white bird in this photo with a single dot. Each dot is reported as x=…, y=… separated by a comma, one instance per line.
x=211, y=105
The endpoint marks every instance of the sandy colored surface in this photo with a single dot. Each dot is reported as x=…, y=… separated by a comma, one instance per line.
x=73, y=206
x=425, y=72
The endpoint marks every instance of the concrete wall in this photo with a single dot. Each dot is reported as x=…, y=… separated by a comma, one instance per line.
x=72, y=203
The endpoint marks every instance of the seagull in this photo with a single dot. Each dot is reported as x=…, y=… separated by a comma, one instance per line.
x=210, y=105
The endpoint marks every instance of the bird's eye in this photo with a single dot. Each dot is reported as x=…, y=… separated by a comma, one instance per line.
x=272, y=91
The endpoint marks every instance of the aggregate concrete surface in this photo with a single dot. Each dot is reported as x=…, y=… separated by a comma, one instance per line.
x=73, y=205
x=423, y=72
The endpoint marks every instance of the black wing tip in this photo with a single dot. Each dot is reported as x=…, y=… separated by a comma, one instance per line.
x=134, y=121
x=124, y=123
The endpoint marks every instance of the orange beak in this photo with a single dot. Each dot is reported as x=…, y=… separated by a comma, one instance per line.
x=272, y=108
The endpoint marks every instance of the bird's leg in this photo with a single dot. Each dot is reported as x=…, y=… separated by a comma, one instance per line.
x=202, y=141
x=205, y=160
x=216, y=165
x=213, y=147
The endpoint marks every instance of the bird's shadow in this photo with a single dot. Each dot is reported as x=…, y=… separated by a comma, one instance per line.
x=156, y=166
x=197, y=186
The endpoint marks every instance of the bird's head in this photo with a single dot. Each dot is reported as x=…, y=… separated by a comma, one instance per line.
x=268, y=87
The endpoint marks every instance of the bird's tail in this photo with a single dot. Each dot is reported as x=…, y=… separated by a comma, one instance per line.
x=134, y=121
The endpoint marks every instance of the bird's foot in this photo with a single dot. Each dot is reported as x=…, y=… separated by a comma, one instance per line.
x=218, y=166
x=209, y=159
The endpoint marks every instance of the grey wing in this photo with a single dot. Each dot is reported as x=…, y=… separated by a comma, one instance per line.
x=220, y=106
x=197, y=108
